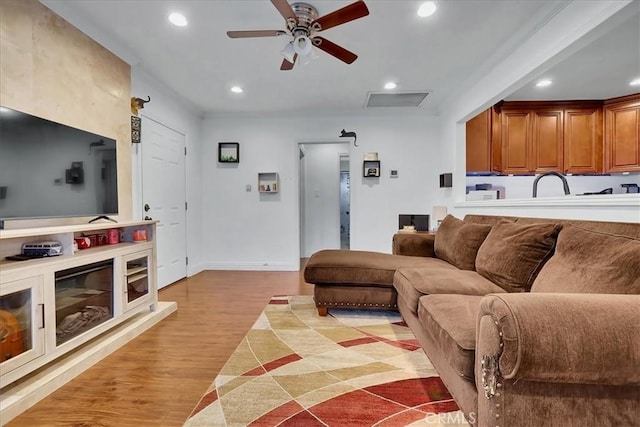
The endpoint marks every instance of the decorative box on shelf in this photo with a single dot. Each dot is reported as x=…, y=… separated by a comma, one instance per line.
x=268, y=182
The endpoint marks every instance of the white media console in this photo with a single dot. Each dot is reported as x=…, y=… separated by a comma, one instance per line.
x=51, y=307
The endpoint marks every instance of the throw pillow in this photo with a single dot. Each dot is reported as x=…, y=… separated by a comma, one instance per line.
x=513, y=254
x=591, y=262
x=457, y=241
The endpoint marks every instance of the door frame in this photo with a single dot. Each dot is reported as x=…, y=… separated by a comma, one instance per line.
x=299, y=193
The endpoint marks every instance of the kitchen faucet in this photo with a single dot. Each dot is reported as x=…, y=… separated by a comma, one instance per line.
x=565, y=184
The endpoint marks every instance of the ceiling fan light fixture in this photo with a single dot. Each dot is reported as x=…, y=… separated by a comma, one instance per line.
x=289, y=52
x=305, y=59
x=302, y=45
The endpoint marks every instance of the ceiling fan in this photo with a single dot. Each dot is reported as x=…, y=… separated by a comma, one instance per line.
x=302, y=24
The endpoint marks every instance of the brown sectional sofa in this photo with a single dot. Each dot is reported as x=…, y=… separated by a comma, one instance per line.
x=528, y=321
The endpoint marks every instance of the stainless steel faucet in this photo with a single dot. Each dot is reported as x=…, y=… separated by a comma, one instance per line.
x=565, y=184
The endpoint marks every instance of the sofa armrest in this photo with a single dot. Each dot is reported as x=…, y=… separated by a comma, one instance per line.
x=414, y=244
x=559, y=338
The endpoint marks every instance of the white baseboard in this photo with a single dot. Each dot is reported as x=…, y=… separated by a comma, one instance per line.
x=195, y=269
x=23, y=394
x=252, y=266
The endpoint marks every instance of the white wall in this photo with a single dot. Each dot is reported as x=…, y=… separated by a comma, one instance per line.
x=165, y=107
x=570, y=29
x=245, y=230
x=321, y=197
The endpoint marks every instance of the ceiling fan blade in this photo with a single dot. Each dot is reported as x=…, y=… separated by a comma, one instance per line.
x=348, y=13
x=286, y=65
x=335, y=50
x=285, y=9
x=255, y=33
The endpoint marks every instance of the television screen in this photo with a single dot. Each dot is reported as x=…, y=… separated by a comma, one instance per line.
x=51, y=170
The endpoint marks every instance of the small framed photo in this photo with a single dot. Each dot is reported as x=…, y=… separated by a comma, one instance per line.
x=371, y=169
x=229, y=152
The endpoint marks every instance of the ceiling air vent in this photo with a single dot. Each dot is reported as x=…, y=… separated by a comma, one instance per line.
x=397, y=99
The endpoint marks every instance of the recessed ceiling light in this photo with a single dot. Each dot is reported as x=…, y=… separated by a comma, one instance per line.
x=543, y=83
x=390, y=85
x=427, y=8
x=635, y=82
x=178, y=20
x=237, y=89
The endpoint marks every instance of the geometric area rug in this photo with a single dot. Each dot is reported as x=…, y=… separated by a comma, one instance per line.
x=350, y=368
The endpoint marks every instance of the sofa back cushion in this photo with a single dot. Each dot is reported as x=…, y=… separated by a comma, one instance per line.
x=457, y=241
x=513, y=254
x=591, y=262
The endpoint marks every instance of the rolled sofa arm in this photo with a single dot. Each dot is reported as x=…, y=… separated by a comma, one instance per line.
x=414, y=244
x=560, y=338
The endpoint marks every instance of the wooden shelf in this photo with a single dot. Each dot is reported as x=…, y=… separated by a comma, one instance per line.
x=136, y=277
x=268, y=182
x=77, y=228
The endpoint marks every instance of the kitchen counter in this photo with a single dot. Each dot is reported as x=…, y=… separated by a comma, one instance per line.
x=609, y=207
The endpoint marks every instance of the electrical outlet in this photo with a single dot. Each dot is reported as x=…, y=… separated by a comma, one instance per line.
x=393, y=173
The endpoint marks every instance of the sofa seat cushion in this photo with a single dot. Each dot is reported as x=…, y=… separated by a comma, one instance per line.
x=591, y=262
x=451, y=322
x=440, y=278
x=333, y=266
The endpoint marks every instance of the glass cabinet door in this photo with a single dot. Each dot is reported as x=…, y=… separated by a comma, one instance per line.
x=21, y=323
x=137, y=279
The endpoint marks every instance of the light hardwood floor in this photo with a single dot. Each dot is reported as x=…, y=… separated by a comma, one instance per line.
x=157, y=379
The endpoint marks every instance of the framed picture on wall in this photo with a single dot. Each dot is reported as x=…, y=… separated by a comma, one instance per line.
x=229, y=152
x=371, y=169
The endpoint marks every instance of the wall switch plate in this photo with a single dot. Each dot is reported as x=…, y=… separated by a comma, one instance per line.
x=247, y=188
x=393, y=173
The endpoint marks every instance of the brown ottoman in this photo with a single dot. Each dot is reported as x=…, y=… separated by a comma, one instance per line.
x=355, y=279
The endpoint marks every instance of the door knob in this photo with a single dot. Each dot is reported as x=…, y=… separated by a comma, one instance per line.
x=146, y=207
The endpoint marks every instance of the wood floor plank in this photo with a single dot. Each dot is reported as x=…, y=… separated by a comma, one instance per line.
x=157, y=379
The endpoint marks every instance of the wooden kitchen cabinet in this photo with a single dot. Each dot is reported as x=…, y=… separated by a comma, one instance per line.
x=583, y=140
x=622, y=134
x=517, y=141
x=560, y=136
x=479, y=142
x=483, y=142
x=547, y=141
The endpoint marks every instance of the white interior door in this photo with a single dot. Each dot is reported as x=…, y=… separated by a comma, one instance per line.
x=163, y=196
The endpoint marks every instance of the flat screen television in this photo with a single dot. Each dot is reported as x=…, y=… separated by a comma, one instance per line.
x=50, y=170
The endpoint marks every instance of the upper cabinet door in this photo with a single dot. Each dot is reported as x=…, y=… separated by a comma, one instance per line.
x=516, y=140
x=479, y=142
x=583, y=140
x=547, y=141
x=622, y=135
